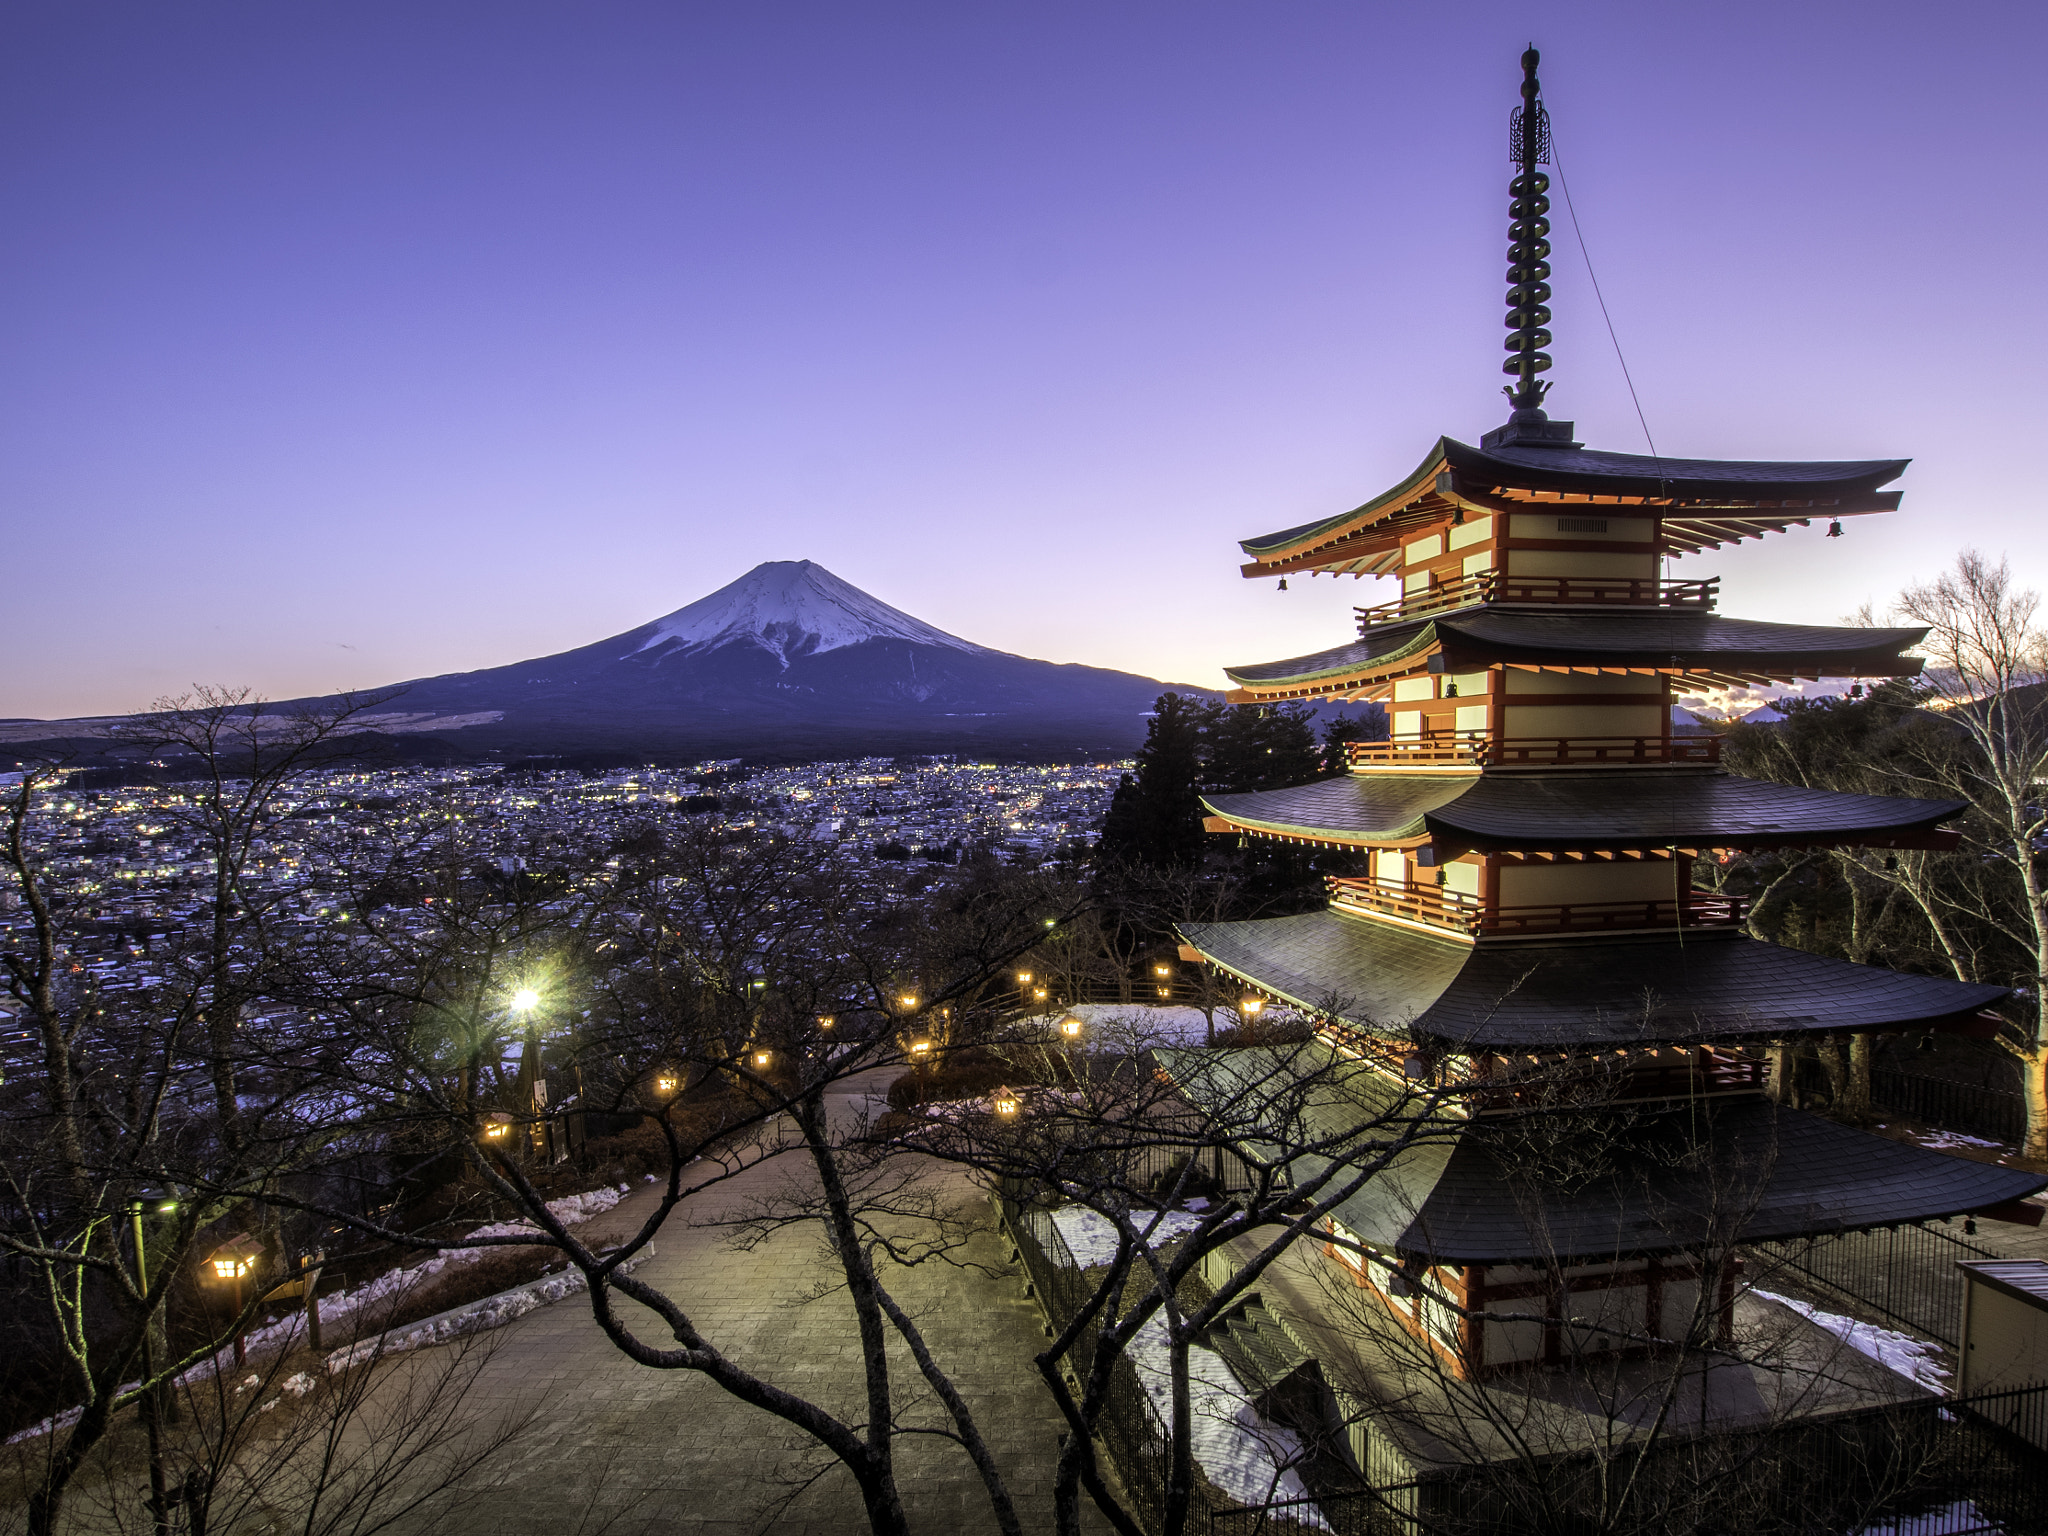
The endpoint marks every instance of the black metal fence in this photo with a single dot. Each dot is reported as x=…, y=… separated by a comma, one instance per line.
x=1128, y=1427
x=1907, y=1273
x=1996, y=1113
x=1941, y=1467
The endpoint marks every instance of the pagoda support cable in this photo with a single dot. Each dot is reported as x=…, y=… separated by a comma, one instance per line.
x=1529, y=251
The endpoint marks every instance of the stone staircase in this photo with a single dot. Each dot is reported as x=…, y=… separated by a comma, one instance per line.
x=1286, y=1386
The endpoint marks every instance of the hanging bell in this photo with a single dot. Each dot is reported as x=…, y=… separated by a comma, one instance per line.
x=1835, y=529
x=1283, y=583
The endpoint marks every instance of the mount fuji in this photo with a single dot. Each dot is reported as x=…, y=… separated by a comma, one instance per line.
x=788, y=662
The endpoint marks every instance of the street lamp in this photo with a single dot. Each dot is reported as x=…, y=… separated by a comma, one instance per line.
x=525, y=1000
x=231, y=1263
x=1250, y=1006
x=667, y=1083
x=762, y=1058
x=1071, y=1026
x=825, y=1021
x=497, y=1127
x=152, y=1396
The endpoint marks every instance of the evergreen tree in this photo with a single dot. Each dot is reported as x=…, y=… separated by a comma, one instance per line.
x=1260, y=746
x=1339, y=731
x=1156, y=816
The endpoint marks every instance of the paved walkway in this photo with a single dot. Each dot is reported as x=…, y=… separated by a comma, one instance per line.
x=632, y=1450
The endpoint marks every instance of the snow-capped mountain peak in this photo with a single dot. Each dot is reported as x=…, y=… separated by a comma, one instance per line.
x=790, y=608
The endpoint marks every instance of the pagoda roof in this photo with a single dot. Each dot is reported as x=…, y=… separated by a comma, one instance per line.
x=1702, y=502
x=1575, y=808
x=1476, y=1193
x=1559, y=994
x=1677, y=641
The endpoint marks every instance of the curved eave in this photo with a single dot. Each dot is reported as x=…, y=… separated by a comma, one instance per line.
x=1620, y=810
x=1703, y=648
x=1563, y=994
x=1701, y=503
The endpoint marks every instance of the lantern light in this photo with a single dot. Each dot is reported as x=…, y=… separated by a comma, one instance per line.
x=497, y=1125
x=825, y=1021
x=1071, y=1025
x=908, y=999
x=1023, y=978
x=1039, y=994
x=762, y=1058
x=666, y=1083
x=525, y=999
x=1006, y=1102
x=920, y=1047
x=234, y=1259
x=1159, y=970
x=1251, y=1006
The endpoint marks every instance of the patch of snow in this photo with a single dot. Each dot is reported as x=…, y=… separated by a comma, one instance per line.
x=492, y=1312
x=791, y=608
x=299, y=1384
x=1941, y=1141
x=1091, y=1237
x=1248, y=1458
x=1959, y=1516
x=1120, y=1025
x=1915, y=1359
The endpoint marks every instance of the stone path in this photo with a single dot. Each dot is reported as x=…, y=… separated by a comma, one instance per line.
x=630, y=1450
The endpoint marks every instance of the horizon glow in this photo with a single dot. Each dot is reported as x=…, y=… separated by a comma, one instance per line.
x=356, y=344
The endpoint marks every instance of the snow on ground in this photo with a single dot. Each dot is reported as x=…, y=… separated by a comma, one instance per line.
x=1091, y=1238
x=1943, y=1141
x=1115, y=1024
x=1248, y=1458
x=1914, y=1359
x=1959, y=1516
x=570, y=1210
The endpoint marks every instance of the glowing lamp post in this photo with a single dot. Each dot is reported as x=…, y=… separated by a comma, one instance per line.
x=666, y=1083
x=497, y=1129
x=762, y=1059
x=525, y=1000
x=1006, y=1103
x=1071, y=1026
x=826, y=1021
x=230, y=1264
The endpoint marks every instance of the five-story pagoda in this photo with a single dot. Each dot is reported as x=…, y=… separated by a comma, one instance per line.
x=1529, y=833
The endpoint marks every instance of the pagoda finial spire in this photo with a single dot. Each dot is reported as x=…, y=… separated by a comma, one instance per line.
x=1529, y=252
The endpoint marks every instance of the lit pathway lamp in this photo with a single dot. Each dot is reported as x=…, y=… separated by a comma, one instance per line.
x=1163, y=974
x=1071, y=1026
x=525, y=1006
x=230, y=1264
x=1005, y=1103
x=1250, y=1006
x=160, y=1202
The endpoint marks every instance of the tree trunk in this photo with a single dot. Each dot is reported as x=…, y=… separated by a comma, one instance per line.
x=2034, y=1085
x=1857, y=1100
x=1781, y=1086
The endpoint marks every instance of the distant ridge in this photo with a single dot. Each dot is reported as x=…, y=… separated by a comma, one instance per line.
x=787, y=663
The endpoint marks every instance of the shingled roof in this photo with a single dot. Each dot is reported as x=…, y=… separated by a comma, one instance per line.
x=1571, y=808
x=1560, y=994
x=1509, y=1191
x=1668, y=638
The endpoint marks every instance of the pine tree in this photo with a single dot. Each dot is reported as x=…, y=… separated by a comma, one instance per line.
x=1260, y=746
x=1156, y=816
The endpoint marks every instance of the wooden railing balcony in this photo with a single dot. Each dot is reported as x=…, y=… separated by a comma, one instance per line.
x=1493, y=587
x=1460, y=913
x=1450, y=748
x=1434, y=905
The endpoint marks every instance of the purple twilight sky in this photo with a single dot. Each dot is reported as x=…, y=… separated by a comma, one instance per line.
x=351, y=342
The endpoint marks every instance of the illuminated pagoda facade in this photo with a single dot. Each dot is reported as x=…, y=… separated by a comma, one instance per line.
x=1528, y=837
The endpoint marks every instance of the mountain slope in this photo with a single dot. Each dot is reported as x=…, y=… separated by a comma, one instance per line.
x=787, y=661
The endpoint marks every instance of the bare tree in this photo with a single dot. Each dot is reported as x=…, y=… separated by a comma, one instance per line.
x=1171, y=1159
x=721, y=986
x=101, y=1127
x=1988, y=658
